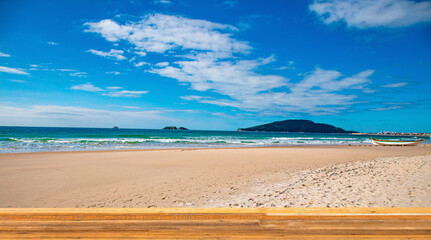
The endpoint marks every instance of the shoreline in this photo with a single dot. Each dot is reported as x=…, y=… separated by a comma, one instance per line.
x=196, y=148
x=168, y=177
x=214, y=148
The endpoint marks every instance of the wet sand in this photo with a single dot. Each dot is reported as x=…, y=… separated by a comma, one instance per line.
x=274, y=176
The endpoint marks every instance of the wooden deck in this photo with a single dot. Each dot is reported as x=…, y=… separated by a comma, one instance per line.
x=217, y=223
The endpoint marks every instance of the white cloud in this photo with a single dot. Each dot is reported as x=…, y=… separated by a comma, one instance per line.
x=141, y=53
x=397, y=103
x=225, y=77
x=224, y=115
x=114, y=88
x=109, y=91
x=78, y=74
x=113, y=72
x=229, y=3
x=58, y=69
x=125, y=93
x=139, y=64
x=162, y=64
x=4, y=55
x=369, y=91
x=163, y=2
x=12, y=70
x=113, y=54
x=372, y=13
x=130, y=107
x=386, y=108
x=209, y=58
x=159, y=33
x=289, y=66
x=317, y=93
x=54, y=115
x=46, y=67
x=192, y=97
x=395, y=85
x=109, y=29
x=88, y=87
x=52, y=43
x=326, y=80
x=17, y=80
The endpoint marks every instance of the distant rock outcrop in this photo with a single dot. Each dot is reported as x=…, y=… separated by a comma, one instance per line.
x=298, y=126
x=174, y=128
x=170, y=128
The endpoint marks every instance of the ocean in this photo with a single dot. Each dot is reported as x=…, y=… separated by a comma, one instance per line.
x=47, y=139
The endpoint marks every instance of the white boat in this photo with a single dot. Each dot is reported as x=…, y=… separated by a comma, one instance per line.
x=396, y=142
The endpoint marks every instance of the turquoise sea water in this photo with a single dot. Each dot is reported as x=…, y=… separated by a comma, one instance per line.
x=41, y=139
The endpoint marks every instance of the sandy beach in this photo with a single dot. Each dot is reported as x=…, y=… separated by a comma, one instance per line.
x=310, y=176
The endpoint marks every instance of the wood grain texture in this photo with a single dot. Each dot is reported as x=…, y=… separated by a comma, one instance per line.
x=216, y=223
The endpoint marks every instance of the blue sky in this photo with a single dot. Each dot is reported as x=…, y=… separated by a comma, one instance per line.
x=216, y=65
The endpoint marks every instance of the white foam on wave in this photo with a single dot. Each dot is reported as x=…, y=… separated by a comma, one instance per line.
x=50, y=144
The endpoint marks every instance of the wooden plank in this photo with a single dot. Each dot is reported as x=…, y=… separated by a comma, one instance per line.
x=217, y=223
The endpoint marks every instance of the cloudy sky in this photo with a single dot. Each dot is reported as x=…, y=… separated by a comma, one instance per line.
x=217, y=65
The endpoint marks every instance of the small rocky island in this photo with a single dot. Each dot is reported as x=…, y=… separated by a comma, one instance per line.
x=296, y=126
x=174, y=128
